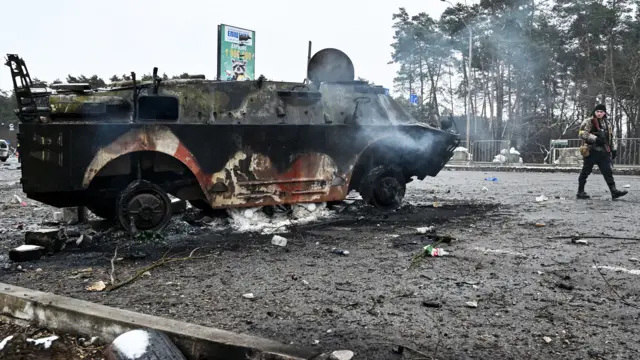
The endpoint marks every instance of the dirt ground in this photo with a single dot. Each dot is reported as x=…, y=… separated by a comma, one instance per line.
x=537, y=298
x=65, y=347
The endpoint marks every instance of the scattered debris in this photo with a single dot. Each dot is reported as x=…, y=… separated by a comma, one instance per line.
x=580, y=241
x=97, y=286
x=248, y=296
x=17, y=200
x=74, y=215
x=341, y=355
x=541, y=198
x=4, y=342
x=565, y=286
x=26, y=253
x=540, y=224
x=627, y=186
x=433, y=251
x=498, y=251
x=278, y=240
x=53, y=240
x=44, y=341
x=426, y=229
x=340, y=251
x=577, y=236
x=431, y=304
x=57, y=216
x=163, y=261
x=484, y=189
x=472, y=304
x=178, y=206
x=547, y=339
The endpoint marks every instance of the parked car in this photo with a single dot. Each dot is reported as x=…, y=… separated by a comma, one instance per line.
x=4, y=150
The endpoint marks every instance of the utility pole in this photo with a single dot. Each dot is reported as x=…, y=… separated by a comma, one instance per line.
x=468, y=102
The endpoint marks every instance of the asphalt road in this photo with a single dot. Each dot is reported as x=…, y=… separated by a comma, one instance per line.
x=537, y=298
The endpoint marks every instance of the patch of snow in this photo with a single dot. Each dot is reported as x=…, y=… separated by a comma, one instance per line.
x=461, y=149
x=4, y=342
x=132, y=344
x=28, y=248
x=44, y=341
x=513, y=151
x=500, y=159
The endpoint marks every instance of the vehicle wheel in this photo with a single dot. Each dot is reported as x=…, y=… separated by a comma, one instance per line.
x=147, y=204
x=3, y=159
x=105, y=209
x=143, y=344
x=383, y=187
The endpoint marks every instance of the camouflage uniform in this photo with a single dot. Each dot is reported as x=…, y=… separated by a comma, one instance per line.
x=602, y=150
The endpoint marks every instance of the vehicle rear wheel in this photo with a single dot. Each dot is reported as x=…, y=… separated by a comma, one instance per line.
x=383, y=187
x=144, y=204
x=3, y=159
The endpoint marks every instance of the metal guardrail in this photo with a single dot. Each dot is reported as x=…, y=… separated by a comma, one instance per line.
x=563, y=152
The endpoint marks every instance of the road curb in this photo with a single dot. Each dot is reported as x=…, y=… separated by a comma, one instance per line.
x=88, y=319
x=535, y=169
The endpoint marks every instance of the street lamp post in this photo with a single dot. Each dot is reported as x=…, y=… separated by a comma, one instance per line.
x=468, y=109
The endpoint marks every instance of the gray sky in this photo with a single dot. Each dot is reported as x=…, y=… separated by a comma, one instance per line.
x=76, y=37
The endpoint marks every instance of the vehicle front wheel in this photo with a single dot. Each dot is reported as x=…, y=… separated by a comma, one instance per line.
x=3, y=159
x=144, y=205
x=383, y=187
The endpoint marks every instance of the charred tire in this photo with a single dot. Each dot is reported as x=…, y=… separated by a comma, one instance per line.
x=105, y=209
x=147, y=203
x=145, y=344
x=383, y=187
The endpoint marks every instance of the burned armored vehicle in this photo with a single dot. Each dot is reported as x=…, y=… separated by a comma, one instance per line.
x=121, y=150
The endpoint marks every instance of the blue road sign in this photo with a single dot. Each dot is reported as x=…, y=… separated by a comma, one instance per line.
x=413, y=99
x=386, y=91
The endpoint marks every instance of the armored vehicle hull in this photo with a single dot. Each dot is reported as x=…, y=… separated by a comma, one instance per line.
x=120, y=151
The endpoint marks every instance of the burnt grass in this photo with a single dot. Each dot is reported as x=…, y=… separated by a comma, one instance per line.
x=536, y=297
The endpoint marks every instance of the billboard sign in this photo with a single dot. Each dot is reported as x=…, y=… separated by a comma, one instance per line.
x=236, y=53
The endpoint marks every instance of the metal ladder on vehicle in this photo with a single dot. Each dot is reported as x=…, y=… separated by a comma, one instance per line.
x=31, y=105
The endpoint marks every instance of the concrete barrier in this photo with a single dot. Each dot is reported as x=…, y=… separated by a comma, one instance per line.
x=63, y=314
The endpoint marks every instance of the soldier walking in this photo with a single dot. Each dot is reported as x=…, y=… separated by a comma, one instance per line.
x=599, y=148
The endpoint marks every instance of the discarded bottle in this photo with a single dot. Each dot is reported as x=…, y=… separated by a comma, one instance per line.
x=431, y=251
x=340, y=252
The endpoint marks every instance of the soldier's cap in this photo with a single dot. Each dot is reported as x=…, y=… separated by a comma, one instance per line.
x=602, y=107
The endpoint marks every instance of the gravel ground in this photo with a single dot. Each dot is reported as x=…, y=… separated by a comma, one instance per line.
x=536, y=297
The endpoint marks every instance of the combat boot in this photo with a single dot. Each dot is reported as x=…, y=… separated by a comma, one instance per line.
x=615, y=193
x=582, y=195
